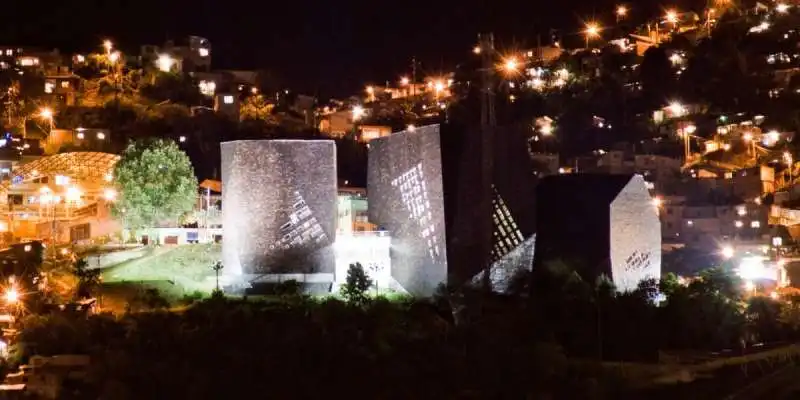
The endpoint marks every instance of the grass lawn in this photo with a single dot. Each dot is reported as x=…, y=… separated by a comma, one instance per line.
x=173, y=270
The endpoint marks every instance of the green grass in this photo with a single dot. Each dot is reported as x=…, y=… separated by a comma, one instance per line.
x=187, y=267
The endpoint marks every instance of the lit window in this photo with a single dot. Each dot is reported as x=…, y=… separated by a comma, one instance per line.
x=80, y=135
x=741, y=211
x=101, y=135
x=203, y=52
x=755, y=224
x=739, y=224
x=9, y=52
x=690, y=222
x=65, y=84
x=227, y=99
x=62, y=180
x=49, y=87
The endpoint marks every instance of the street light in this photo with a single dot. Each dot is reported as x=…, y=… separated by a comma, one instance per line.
x=113, y=57
x=782, y=8
x=622, y=11
x=46, y=113
x=511, y=65
x=672, y=18
x=165, y=62
x=592, y=31
x=12, y=296
x=110, y=194
x=358, y=112
x=658, y=201
x=404, y=81
x=108, y=46
x=476, y=50
x=727, y=252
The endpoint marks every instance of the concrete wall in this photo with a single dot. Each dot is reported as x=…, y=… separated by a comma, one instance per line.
x=279, y=197
x=635, y=236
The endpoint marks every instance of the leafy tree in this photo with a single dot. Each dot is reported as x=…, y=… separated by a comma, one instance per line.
x=256, y=107
x=88, y=279
x=356, y=285
x=156, y=183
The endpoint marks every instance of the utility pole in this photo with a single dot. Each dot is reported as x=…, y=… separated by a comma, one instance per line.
x=488, y=124
x=413, y=76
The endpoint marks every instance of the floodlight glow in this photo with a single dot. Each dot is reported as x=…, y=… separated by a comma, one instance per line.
x=110, y=194
x=165, y=62
x=753, y=267
x=727, y=252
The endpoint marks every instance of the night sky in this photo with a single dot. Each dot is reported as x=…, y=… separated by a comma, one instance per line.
x=318, y=47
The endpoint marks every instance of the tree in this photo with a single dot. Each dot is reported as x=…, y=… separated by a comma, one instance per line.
x=356, y=284
x=257, y=107
x=88, y=279
x=156, y=183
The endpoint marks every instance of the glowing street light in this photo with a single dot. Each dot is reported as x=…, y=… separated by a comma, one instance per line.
x=511, y=65
x=658, y=202
x=108, y=46
x=46, y=113
x=110, y=194
x=672, y=17
x=358, y=112
x=165, y=62
x=476, y=50
x=727, y=252
x=404, y=81
x=774, y=136
x=676, y=109
x=114, y=57
x=782, y=8
x=546, y=130
x=622, y=11
x=12, y=296
x=592, y=31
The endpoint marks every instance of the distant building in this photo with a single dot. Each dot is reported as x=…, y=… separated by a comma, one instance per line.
x=64, y=198
x=353, y=213
x=228, y=104
x=706, y=225
x=600, y=225
x=370, y=132
x=193, y=54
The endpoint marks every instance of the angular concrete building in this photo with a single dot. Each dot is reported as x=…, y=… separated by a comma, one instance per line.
x=404, y=185
x=279, y=209
x=599, y=225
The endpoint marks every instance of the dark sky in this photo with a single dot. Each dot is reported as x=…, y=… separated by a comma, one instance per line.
x=315, y=45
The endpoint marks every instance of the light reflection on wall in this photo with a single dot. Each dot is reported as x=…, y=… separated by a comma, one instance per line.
x=404, y=183
x=415, y=197
x=507, y=235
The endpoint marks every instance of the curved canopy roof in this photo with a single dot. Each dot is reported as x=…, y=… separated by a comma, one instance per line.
x=83, y=165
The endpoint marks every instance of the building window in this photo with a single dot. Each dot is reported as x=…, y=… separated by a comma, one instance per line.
x=65, y=84
x=80, y=232
x=755, y=224
x=49, y=87
x=62, y=180
x=227, y=99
